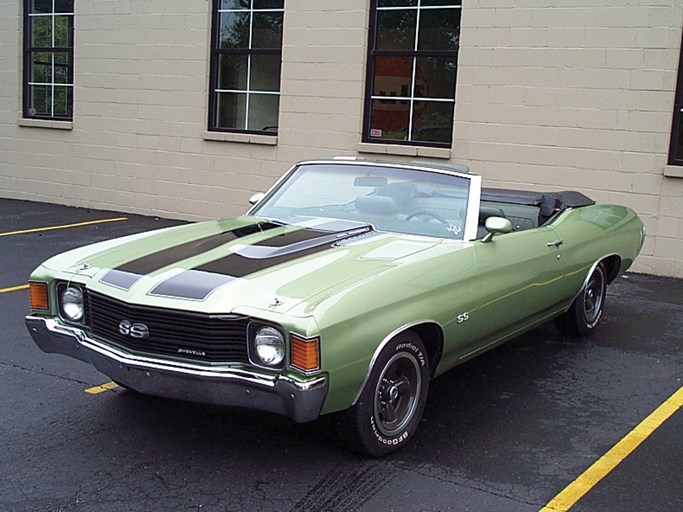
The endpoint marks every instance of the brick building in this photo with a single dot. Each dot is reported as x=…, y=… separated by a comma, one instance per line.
x=184, y=108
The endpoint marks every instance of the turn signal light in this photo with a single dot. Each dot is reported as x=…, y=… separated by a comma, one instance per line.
x=305, y=353
x=38, y=296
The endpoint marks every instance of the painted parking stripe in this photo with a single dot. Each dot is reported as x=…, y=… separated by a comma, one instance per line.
x=603, y=466
x=101, y=389
x=14, y=288
x=63, y=226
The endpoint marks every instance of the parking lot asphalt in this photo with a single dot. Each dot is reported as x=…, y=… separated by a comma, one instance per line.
x=507, y=431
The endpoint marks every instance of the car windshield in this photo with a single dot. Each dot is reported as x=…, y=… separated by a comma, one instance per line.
x=394, y=199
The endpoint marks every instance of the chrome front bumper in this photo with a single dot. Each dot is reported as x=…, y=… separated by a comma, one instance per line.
x=219, y=385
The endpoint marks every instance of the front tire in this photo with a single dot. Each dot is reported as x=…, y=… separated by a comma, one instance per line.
x=390, y=407
x=586, y=311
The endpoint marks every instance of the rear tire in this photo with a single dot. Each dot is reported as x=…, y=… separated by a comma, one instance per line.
x=586, y=311
x=390, y=407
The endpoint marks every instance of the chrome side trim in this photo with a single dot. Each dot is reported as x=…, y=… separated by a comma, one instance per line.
x=383, y=344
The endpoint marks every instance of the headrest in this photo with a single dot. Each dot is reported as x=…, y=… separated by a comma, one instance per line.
x=382, y=205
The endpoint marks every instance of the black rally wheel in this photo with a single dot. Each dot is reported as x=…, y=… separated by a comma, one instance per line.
x=586, y=311
x=391, y=404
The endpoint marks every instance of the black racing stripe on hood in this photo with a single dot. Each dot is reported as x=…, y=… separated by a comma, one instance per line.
x=160, y=259
x=191, y=284
x=236, y=265
x=251, y=259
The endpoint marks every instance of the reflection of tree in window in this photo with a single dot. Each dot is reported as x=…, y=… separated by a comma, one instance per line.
x=247, y=62
x=48, y=59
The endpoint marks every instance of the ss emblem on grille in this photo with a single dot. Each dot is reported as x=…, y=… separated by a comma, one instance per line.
x=135, y=330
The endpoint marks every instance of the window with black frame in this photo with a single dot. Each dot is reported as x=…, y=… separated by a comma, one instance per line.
x=412, y=67
x=676, y=148
x=48, y=59
x=246, y=61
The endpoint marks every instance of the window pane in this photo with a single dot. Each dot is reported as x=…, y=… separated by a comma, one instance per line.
x=41, y=98
x=439, y=29
x=396, y=29
x=393, y=76
x=435, y=77
x=265, y=73
x=396, y=3
x=389, y=119
x=64, y=5
x=267, y=30
x=234, y=30
x=429, y=3
x=41, y=68
x=231, y=111
x=235, y=4
x=41, y=6
x=678, y=146
x=62, y=68
x=269, y=4
x=232, y=72
x=63, y=101
x=263, y=110
x=63, y=31
x=41, y=31
x=432, y=121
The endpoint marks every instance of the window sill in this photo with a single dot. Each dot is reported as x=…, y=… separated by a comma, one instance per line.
x=396, y=149
x=46, y=123
x=673, y=171
x=245, y=138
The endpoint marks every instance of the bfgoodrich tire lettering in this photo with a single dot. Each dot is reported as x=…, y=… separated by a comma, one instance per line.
x=586, y=311
x=391, y=404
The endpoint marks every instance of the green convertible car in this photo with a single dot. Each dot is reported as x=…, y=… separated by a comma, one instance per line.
x=345, y=289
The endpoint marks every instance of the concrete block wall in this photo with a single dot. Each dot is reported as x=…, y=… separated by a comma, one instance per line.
x=551, y=94
x=576, y=94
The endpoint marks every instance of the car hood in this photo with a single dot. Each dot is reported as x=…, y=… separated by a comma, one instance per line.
x=237, y=264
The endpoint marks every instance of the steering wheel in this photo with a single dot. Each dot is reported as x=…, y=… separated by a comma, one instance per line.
x=427, y=213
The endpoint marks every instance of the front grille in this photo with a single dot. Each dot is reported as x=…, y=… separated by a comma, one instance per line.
x=196, y=336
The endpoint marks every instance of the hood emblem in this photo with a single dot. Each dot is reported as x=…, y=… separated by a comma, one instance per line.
x=276, y=302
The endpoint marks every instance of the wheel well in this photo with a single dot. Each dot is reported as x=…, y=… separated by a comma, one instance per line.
x=612, y=266
x=432, y=337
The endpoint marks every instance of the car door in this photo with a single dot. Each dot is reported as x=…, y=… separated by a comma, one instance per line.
x=519, y=281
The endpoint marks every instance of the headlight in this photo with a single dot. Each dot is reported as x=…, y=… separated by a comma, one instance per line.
x=71, y=304
x=269, y=346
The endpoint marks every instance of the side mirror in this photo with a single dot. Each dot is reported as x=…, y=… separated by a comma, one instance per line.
x=256, y=198
x=496, y=226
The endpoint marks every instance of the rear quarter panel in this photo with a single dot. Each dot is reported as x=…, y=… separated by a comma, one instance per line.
x=593, y=233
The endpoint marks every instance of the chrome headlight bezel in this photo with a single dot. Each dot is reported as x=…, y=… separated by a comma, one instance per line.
x=267, y=346
x=71, y=301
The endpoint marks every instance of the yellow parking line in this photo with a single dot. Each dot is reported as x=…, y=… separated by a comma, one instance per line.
x=101, y=389
x=603, y=466
x=63, y=226
x=14, y=288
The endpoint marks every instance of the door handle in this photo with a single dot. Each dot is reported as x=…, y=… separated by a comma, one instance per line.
x=556, y=243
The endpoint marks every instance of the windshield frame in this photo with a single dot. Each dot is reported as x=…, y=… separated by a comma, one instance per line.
x=469, y=231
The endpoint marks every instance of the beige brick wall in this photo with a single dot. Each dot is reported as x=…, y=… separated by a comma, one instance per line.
x=551, y=94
